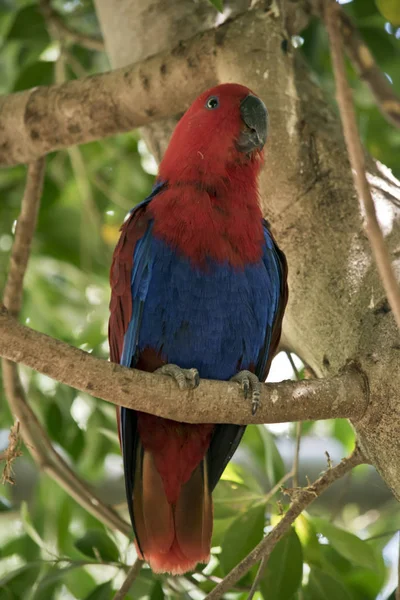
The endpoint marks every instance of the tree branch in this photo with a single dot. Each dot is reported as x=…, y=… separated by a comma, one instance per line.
x=65, y=31
x=364, y=63
x=345, y=395
x=33, y=433
x=357, y=161
x=297, y=18
x=49, y=461
x=304, y=498
x=26, y=225
x=41, y=120
x=130, y=578
x=10, y=454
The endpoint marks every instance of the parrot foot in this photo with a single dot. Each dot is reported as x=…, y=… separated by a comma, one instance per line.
x=187, y=379
x=249, y=383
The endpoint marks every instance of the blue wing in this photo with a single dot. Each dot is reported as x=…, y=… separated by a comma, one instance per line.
x=130, y=277
x=226, y=438
x=276, y=266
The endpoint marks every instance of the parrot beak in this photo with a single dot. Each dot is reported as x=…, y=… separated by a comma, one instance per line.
x=255, y=118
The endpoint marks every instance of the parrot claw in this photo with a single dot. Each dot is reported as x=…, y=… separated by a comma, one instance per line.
x=187, y=379
x=249, y=383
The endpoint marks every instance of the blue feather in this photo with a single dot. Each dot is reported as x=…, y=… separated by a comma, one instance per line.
x=216, y=321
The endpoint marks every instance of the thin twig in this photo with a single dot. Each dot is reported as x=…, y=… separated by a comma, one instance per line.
x=277, y=487
x=293, y=473
x=386, y=99
x=303, y=499
x=295, y=483
x=258, y=577
x=26, y=225
x=130, y=578
x=357, y=160
x=33, y=433
x=63, y=30
x=10, y=454
x=364, y=63
x=296, y=457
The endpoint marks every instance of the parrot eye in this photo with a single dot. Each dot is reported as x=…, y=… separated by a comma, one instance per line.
x=212, y=102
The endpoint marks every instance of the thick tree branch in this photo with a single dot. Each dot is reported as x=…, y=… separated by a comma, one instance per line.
x=345, y=395
x=357, y=160
x=33, y=433
x=304, y=498
x=35, y=122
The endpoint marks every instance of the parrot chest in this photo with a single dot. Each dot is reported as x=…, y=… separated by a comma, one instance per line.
x=213, y=319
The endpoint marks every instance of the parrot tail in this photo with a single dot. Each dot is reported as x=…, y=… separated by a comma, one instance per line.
x=172, y=515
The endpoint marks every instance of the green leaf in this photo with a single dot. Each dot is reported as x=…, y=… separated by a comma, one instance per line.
x=5, y=505
x=245, y=532
x=239, y=474
x=102, y=592
x=63, y=520
x=367, y=583
x=78, y=582
x=16, y=583
x=322, y=586
x=54, y=576
x=284, y=570
x=29, y=24
x=390, y=9
x=273, y=461
x=219, y=4
x=347, y=544
x=109, y=434
x=55, y=422
x=29, y=528
x=230, y=497
x=22, y=546
x=343, y=431
x=308, y=539
x=143, y=585
x=96, y=543
x=34, y=74
x=157, y=592
x=219, y=530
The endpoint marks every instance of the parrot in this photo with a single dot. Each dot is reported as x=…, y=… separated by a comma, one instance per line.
x=198, y=290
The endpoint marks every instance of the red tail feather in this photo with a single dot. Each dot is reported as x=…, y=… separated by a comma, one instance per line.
x=171, y=499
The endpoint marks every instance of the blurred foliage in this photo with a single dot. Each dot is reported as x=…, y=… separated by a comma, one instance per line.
x=51, y=548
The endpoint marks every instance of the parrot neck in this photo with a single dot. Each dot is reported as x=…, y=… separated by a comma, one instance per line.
x=210, y=217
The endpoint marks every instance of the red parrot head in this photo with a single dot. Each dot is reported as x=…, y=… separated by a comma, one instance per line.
x=225, y=126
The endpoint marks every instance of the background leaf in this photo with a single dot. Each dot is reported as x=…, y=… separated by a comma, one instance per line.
x=244, y=533
x=284, y=569
x=96, y=543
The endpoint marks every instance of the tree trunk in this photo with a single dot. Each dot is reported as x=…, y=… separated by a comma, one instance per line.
x=337, y=310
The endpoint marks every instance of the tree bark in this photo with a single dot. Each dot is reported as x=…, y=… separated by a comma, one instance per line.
x=337, y=309
x=211, y=402
x=162, y=25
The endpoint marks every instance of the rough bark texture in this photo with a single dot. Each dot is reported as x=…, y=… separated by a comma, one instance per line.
x=337, y=310
x=167, y=23
x=48, y=118
x=213, y=401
